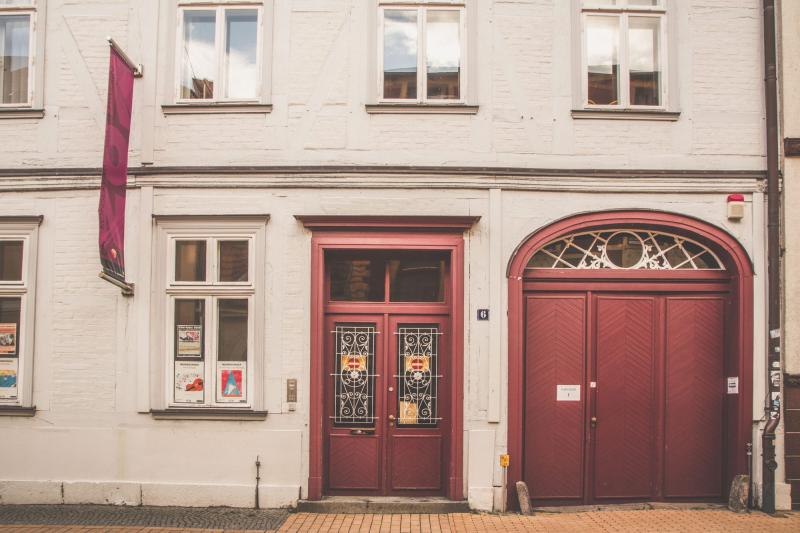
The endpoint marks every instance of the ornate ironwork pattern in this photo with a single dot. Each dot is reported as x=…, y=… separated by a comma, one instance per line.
x=628, y=249
x=354, y=389
x=417, y=376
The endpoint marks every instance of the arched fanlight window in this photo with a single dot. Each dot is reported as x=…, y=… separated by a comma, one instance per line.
x=628, y=249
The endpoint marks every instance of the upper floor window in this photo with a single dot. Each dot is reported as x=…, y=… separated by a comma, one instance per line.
x=421, y=52
x=16, y=52
x=624, y=53
x=219, y=52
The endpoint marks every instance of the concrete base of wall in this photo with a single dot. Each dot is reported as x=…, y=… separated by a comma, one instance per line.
x=160, y=494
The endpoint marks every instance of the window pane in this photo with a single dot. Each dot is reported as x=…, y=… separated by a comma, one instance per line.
x=233, y=260
x=602, y=51
x=14, y=58
x=357, y=279
x=399, y=54
x=417, y=278
x=443, y=54
x=241, y=40
x=232, y=340
x=199, y=54
x=10, y=260
x=190, y=261
x=9, y=326
x=645, y=68
x=354, y=379
x=189, y=322
x=418, y=376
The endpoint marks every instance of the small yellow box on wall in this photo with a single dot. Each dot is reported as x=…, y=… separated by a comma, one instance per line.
x=505, y=459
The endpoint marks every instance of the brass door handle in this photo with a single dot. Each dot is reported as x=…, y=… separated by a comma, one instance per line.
x=593, y=421
x=391, y=417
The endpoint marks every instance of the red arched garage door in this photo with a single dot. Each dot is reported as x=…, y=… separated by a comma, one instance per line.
x=629, y=327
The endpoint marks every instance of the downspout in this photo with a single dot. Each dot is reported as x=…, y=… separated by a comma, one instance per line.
x=773, y=403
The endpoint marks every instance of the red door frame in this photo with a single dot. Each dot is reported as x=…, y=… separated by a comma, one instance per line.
x=737, y=263
x=386, y=233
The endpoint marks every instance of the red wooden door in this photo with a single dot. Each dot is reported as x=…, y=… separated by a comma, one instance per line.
x=556, y=355
x=417, y=411
x=649, y=420
x=387, y=411
x=625, y=408
x=356, y=372
x=694, y=397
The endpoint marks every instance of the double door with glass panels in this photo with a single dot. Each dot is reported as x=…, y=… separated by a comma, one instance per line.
x=386, y=404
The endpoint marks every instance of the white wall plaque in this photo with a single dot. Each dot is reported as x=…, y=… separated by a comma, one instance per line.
x=733, y=385
x=568, y=393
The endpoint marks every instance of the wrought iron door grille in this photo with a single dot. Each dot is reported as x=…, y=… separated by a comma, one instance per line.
x=354, y=379
x=417, y=376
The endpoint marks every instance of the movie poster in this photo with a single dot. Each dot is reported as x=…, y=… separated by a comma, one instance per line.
x=8, y=377
x=189, y=382
x=190, y=339
x=8, y=339
x=231, y=381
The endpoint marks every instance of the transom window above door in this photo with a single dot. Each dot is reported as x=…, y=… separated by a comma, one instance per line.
x=421, y=52
x=624, y=58
x=387, y=277
x=627, y=249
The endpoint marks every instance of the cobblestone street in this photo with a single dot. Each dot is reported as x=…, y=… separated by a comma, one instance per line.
x=93, y=519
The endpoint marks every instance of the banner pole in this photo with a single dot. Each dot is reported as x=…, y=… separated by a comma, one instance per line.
x=137, y=68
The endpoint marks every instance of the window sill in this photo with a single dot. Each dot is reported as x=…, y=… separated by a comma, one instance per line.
x=17, y=410
x=202, y=413
x=626, y=114
x=20, y=112
x=215, y=109
x=422, y=109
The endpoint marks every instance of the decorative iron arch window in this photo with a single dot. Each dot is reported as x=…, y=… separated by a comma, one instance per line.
x=625, y=249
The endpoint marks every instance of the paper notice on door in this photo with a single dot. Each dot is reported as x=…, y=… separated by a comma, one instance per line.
x=733, y=385
x=568, y=393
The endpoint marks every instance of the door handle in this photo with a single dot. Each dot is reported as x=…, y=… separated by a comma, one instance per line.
x=593, y=422
x=391, y=418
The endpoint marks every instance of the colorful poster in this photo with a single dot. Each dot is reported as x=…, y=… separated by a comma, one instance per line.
x=354, y=363
x=417, y=363
x=8, y=339
x=231, y=381
x=190, y=341
x=8, y=377
x=189, y=382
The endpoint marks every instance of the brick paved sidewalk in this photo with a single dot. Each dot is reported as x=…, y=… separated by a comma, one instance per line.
x=640, y=521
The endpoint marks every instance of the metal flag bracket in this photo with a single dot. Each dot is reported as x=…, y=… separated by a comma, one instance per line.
x=137, y=68
x=126, y=288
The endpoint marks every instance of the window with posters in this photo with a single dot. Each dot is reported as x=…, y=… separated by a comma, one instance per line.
x=213, y=292
x=18, y=241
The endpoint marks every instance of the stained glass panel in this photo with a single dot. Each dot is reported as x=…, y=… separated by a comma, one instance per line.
x=354, y=378
x=417, y=376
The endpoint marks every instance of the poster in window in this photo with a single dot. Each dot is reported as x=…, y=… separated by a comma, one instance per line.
x=231, y=381
x=408, y=412
x=8, y=377
x=8, y=339
x=190, y=339
x=189, y=382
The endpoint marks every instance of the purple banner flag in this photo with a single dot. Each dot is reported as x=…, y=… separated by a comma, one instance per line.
x=115, y=167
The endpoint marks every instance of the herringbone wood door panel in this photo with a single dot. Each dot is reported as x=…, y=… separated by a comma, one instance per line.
x=625, y=410
x=695, y=393
x=554, y=436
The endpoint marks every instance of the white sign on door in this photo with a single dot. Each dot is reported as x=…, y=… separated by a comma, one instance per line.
x=733, y=385
x=568, y=393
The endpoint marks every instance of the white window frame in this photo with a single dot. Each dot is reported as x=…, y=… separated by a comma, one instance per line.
x=219, y=39
x=25, y=229
x=622, y=12
x=26, y=8
x=422, y=74
x=213, y=230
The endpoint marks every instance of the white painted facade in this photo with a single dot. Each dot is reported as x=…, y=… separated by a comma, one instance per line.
x=92, y=438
